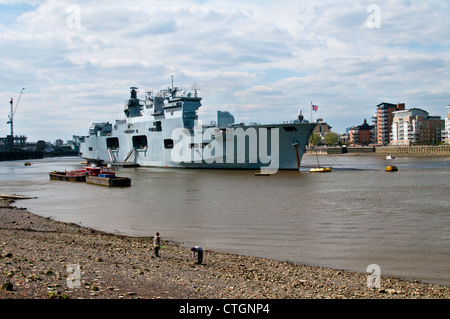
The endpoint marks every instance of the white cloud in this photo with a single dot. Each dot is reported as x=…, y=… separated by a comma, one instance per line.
x=260, y=59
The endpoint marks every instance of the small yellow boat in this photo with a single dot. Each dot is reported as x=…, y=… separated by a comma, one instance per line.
x=391, y=168
x=320, y=169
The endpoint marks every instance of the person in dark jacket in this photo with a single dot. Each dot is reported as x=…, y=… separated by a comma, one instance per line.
x=199, y=251
x=157, y=244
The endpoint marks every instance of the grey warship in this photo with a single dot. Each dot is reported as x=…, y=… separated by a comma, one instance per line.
x=163, y=130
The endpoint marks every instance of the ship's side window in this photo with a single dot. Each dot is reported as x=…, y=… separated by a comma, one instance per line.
x=168, y=143
x=112, y=143
x=289, y=128
x=91, y=149
x=140, y=141
x=198, y=145
x=157, y=127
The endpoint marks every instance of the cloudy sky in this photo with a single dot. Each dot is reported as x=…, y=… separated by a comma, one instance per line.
x=261, y=60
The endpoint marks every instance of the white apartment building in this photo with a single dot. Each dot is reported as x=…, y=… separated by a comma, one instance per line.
x=415, y=126
x=446, y=130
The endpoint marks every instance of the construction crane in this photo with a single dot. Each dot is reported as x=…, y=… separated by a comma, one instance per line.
x=13, y=111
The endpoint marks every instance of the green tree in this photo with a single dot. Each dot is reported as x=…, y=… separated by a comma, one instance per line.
x=314, y=139
x=331, y=138
x=40, y=145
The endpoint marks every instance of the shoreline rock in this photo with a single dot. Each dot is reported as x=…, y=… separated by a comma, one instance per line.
x=45, y=259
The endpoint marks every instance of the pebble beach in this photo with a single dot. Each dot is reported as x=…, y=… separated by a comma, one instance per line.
x=41, y=258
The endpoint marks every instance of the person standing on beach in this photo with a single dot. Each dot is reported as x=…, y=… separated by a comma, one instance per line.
x=199, y=251
x=157, y=244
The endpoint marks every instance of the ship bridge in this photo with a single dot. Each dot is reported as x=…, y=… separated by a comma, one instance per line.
x=169, y=103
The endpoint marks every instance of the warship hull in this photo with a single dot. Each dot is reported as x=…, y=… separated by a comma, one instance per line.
x=164, y=131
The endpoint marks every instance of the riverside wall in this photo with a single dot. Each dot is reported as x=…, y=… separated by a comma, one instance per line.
x=439, y=150
x=20, y=155
x=411, y=150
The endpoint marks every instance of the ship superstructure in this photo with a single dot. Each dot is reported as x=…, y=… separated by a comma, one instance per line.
x=163, y=131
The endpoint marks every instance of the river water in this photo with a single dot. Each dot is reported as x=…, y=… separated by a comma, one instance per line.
x=350, y=218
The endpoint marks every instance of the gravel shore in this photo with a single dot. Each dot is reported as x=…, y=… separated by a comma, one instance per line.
x=43, y=259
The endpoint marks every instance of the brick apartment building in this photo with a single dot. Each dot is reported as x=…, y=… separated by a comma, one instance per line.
x=362, y=134
x=322, y=128
x=383, y=121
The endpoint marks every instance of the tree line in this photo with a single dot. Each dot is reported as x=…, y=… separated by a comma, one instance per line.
x=329, y=139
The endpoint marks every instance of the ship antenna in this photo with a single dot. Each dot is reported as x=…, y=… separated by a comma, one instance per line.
x=172, y=80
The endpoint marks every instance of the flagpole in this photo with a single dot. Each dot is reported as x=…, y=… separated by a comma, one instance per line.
x=311, y=111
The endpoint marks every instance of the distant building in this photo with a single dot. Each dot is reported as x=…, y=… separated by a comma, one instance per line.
x=344, y=138
x=362, y=134
x=224, y=118
x=446, y=130
x=383, y=121
x=12, y=143
x=59, y=142
x=321, y=128
x=415, y=126
x=31, y=146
